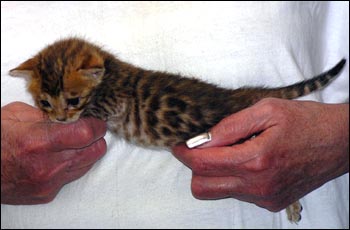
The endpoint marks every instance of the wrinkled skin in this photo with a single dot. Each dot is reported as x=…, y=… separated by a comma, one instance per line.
x=38, y=157
x=300, y=146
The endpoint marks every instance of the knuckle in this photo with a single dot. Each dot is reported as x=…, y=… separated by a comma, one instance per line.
x=273, y=107
x=268, y=191
x=84, y=132
x=270, y=205
x=270, y=105
x=260, y=163
x=265, y=102
x=46, y=193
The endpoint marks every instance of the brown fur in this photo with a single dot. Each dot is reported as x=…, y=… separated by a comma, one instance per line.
x=143, y=106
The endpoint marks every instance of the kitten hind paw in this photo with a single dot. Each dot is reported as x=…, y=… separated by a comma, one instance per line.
x=294, y=212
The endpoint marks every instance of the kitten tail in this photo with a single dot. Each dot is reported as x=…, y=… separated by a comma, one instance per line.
x=308, y=86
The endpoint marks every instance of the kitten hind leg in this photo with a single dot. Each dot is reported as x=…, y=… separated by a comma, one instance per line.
x=293, y=212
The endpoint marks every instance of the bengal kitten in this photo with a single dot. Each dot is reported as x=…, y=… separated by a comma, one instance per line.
x=73, y=78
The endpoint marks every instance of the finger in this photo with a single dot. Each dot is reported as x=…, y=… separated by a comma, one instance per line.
x=241, y=189
x=76, y=174
x=210, y=188
x=57, y=137
x=239, y=126
x=84, y=157
x=207, y=162
x=76, y=135
x=205, y=188
x=221, y=161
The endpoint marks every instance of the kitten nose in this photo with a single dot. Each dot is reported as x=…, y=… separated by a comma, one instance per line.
x=61, y=118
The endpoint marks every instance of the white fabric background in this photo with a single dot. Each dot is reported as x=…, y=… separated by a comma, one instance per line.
x=228, y=43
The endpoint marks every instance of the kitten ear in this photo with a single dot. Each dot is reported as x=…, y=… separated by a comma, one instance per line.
x=26, y=69
x=93, y=72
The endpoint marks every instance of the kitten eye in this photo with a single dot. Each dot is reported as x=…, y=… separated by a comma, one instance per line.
x=45, y=103
x=73, y=101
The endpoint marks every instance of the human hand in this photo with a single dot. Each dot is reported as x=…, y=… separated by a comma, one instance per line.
x=300, y=146
x=38, y=157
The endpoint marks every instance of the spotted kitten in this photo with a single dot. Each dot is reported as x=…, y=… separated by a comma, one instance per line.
x=73, y=78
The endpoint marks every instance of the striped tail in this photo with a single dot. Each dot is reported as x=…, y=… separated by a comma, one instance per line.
x=308, y=86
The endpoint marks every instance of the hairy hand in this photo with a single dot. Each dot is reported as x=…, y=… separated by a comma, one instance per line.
x=38, y=157
x=299, y=146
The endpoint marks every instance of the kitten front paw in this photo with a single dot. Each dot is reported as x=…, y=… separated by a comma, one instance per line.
x=294, y=212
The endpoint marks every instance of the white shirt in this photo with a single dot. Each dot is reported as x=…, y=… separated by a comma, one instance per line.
x=231, y=44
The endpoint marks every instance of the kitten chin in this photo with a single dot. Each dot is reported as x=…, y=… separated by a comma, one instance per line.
x=65, y=120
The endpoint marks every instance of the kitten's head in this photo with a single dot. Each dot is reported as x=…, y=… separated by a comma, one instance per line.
x=62, y=77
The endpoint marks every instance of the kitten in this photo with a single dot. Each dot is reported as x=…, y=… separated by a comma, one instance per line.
x=73, y=78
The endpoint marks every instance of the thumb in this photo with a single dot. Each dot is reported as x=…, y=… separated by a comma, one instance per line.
x=238, y=127
x=57, y=137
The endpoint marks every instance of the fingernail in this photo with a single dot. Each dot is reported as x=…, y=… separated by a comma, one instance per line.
x=198, y=140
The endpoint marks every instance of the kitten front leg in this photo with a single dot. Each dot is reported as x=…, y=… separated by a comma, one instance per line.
x=96, y=113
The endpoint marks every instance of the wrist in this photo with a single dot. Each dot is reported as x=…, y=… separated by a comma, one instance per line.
x=339, y=135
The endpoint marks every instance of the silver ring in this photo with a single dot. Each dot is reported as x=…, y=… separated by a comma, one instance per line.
x=198, y=140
